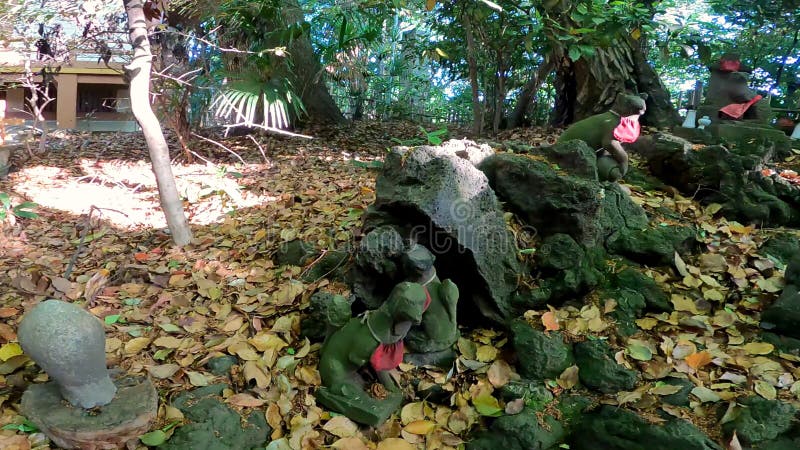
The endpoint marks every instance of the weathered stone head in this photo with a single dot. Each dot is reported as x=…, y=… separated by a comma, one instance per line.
x=405, y=306
x=629, y=104
x=417, y=262
x=69, y=344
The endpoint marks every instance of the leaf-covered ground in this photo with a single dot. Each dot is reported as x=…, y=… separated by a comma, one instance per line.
x=100, y=241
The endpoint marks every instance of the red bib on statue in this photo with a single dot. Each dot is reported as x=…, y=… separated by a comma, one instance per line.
x=387, y=356
x=628, y=129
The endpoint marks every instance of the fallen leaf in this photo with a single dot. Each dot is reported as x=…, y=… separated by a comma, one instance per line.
x=705, y=394
x=550, y=321
x=499, y=373
x=245, y=400
x=421, y=427
x=10, y=350
x=486, y=353
x=759, y=348
x=349, y=443
x=698, y=360
x=734, y=443
x=765, y=389
x=394, y=444
x=569, y=377
x=341, y=426
x=163, y=371
x=486, y=405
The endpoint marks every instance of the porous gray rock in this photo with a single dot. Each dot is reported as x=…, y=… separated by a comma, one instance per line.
x=69, y=344
x=437, y=198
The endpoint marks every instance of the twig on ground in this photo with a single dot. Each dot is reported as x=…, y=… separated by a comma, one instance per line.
x=260, y=148
x=219, y=145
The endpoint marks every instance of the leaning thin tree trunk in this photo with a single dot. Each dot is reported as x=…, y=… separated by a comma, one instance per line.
x=526, y=96
x=477, y=117
x=139, y=73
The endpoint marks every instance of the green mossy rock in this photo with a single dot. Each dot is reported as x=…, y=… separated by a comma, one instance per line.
x=294, y=253
x=634, y=292
x=331, y=265
x=568, y=269
x=328, y=312
x=612, y=428
x=521, y=431
x=599, y=370
x=221, y=365
x=212, y=425
x=761, y=420
x=536, y=395
x=541, y=356
x=653, y=245
x=782, y=246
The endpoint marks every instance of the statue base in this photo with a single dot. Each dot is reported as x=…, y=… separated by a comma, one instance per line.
x=359, y=406
x=106, y=427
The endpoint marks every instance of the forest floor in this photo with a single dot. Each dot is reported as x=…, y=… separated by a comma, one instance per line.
x=100, y=240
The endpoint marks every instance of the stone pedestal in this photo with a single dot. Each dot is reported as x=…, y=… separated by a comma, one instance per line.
x=796, y=132
x=107, y=427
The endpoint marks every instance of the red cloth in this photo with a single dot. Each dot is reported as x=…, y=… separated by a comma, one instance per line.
x=628, y=129
x=737, y=110
x=387, y=356
x=727, y=65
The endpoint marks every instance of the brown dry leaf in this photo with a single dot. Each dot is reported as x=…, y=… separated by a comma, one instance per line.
x=7, y=312
x=569, y=377
x=499, y=373
x=349, y=443
x=163, y=371
x=550, y=321
x=341, y=426
x=698, y=360
x=734, y=443
x=245, y=400
x=515, y=406
x=395, y=444
x=14, y=442
x=253, y=372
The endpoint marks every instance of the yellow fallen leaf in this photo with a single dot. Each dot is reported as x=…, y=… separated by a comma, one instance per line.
x=486, y=353
x=421, y=427
x=10, y=350
x=395, y=444
x=647, y=323
x=167, y=342
x=759, y=348
x=136, y=345
x=412, y=412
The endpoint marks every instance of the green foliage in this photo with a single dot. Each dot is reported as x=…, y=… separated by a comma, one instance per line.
x=22, y=211
x=25, y=427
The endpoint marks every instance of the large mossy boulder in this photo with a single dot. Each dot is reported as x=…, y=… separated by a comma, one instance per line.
x=540, y=355
x=545, y=197
x=532, y=429
x=761, y=420
x=613, y=428
x=599, y=371
x=436, y=197
x=728, y=175
x=212, y=425
x=782, y=246
x=566, y=269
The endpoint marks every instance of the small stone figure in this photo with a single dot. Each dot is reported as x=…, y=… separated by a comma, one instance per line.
x=729, y=97
x=69, y=344
x=375, y=338
x=439, y=328
x=703, y=122
x=606, y=133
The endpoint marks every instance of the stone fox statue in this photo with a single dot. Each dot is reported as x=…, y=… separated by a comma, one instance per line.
x=606, y=133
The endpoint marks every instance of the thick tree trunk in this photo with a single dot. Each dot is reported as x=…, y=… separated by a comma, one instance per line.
x=589, y=86
x=139, y=72
x=477, y=116
x=306, y=73
x=527, y=95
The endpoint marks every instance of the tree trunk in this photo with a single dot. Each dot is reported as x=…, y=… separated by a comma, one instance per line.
x=306, y=73
x=500, y=97
x=589, y=86
x=525, y=99
x=139, y=73
x=477, y=117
